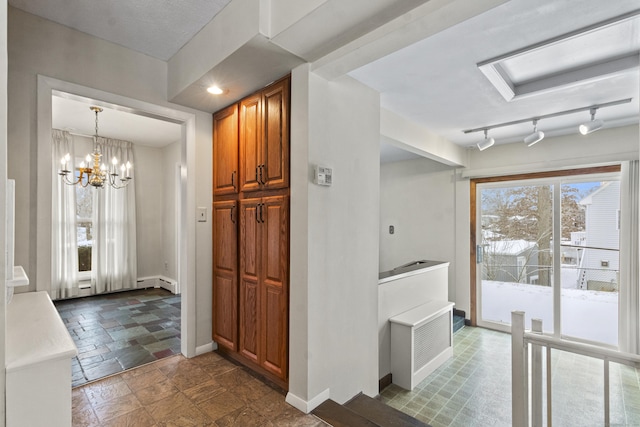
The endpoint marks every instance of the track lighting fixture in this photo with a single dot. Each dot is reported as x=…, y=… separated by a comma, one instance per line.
x=486, y=143
x=536, y=136
x=591, y=126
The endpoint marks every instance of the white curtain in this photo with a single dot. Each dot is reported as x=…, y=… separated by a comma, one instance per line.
x=630, y=257
x=113, y=259
x=64, y=250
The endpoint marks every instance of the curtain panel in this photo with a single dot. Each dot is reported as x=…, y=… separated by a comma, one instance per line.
x=113, y=261
x=629, y=248
x=64, y=246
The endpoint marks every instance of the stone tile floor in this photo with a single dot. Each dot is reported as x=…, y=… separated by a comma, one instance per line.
x=207, y=390
x=474, y=387
x=121, y=330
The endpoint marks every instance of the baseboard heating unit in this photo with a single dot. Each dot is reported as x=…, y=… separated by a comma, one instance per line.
x=421, y=341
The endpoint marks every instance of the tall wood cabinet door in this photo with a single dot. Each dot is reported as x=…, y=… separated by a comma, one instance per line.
x=251, y=143
x=225, y=274
x=274, y=289
x=249, y=297
x=275, y=118
x=225, y=151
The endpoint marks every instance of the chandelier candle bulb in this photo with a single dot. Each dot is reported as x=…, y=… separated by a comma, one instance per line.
x=93, y=172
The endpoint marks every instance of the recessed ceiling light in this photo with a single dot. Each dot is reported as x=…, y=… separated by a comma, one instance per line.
x=215, y=90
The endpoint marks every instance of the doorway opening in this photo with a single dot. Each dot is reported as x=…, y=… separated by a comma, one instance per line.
x=182, y=250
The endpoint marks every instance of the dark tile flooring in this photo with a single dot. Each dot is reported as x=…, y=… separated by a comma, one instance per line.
x=120, y=331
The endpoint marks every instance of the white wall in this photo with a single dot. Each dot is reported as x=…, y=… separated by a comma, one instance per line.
x=334, y=240
x=37, y=46
x=171, y=158
x=417, y=197
x=150, y=195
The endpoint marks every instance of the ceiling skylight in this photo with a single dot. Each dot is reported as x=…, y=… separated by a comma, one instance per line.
x=599, y=51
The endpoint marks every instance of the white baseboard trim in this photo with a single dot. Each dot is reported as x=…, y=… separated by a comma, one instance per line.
x=207, y=348
x=307, y=406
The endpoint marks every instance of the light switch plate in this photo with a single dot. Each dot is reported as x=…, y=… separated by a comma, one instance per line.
x=202, y=214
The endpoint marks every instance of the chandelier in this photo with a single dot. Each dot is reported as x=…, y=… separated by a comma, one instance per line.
x=93, y=172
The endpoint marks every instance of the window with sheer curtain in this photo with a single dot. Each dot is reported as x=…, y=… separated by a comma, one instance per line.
x=112, y=217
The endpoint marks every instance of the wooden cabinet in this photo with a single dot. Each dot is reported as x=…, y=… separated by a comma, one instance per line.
x=251, y=231
x=264, y=256
x=225, y=274
x=225, y=151
x=264, y=138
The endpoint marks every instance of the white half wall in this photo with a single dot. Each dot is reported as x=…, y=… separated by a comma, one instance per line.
x=334, y=240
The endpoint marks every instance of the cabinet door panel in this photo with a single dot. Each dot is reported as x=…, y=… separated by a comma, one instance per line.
x=225, y=151
x=275, y=108
x=275, y=256
x=249, y=238
x=275, y=331
x=249, y=303
x=275, y=238
x=250, y=143
x=249, y=278
x=225, y=274
x=224, y=310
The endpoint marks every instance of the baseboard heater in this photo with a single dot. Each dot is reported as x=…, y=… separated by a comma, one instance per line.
x=159, y=282
x=421, y=341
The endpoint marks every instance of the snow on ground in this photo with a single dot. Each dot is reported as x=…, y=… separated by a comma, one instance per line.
x=590, y=315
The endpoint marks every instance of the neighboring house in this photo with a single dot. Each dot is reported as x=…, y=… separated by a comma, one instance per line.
x=601, y=259
x=510, y=261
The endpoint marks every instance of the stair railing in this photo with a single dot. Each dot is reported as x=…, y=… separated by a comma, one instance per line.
x=523, y=415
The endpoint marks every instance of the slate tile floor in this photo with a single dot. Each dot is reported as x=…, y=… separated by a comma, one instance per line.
x=207, y=390
x=474, y=387
x=122, y=330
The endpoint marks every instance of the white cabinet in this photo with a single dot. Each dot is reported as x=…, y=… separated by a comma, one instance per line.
x=39, y=350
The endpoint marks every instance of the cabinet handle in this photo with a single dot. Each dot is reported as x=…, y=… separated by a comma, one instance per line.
x=233, y=179
x=261, y=169
x=231, y=214
x=261, y=211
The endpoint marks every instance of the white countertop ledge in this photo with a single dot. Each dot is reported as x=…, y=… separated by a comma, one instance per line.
x=35, y=332
x=433, y=265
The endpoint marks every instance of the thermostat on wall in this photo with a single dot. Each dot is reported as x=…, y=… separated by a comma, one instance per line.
x=322, y=175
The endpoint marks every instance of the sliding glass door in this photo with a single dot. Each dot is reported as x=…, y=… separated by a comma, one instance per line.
x=550, y=247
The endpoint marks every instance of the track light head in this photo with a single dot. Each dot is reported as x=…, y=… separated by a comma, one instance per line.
x=486, y=143
x=591, y=126
x=535, y=137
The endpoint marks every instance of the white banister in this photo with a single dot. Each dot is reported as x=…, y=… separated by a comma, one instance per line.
x=519, y=372
x=536, y=376
x=520, y=341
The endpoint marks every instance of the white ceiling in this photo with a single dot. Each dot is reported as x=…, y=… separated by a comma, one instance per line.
x=435, y=82
x=72, y=113
x=158, y=29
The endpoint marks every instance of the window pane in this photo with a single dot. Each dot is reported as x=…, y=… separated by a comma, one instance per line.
x=590, y=260
x=84, y=208
x=517, y=260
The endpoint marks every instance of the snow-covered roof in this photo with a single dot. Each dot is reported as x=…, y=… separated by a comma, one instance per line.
x=509, y=247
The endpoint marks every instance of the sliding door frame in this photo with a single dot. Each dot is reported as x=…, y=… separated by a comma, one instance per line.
x=473, y=183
